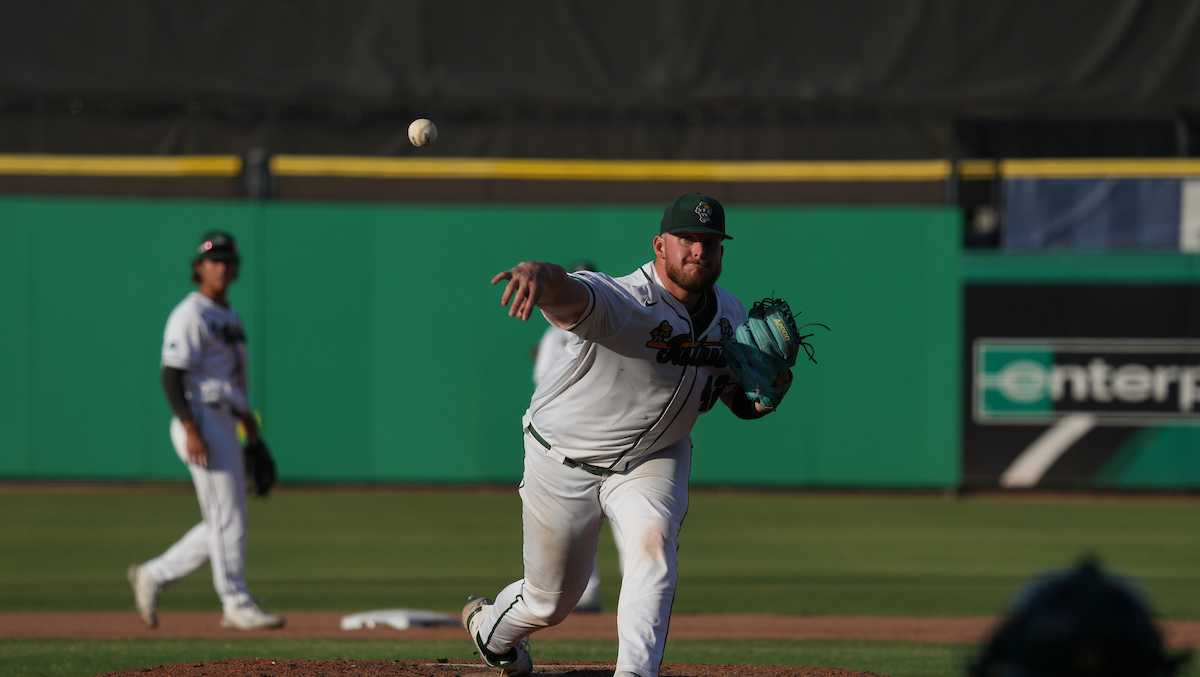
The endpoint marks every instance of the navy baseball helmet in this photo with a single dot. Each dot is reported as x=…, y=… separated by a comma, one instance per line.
x=217, y=245
x=1077, y=623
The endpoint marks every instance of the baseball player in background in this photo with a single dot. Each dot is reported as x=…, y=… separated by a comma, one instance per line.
x=608, y=434
x=204, y=379
x=550, y=349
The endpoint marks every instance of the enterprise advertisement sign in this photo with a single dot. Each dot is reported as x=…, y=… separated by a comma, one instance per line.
x=1121, y=381
x=1069, y=385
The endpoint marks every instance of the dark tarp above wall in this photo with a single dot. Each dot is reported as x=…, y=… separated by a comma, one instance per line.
x=675, y=78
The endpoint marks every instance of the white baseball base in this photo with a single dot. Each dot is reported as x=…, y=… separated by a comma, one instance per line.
x=399, y=619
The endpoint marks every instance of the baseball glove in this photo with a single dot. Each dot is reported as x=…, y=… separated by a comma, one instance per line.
x=260, y=467
x=763, y=350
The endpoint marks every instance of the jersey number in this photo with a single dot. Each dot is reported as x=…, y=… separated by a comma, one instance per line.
x=712, y=392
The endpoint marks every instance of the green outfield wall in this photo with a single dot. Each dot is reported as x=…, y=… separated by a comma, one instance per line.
x=379, y=351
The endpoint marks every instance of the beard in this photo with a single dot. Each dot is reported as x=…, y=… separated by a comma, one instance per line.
x=695, y=278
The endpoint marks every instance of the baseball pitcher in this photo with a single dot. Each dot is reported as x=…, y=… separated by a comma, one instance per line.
x=607, y=433
x=204, y=379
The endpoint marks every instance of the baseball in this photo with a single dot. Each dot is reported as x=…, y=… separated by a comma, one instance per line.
x=422, y=132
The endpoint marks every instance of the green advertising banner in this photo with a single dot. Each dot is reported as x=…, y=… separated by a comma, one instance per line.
x=379, y=351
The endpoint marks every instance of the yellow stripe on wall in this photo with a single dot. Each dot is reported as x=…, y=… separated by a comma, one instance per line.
x=595, y=170
x=605, y=170
x=978, y=169
x=121, y=165
x=1132, y=168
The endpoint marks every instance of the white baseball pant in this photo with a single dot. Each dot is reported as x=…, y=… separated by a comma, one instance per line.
x=562, y=509
x=220, y=537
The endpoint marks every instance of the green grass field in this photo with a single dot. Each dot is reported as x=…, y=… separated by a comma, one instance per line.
x=790, y=553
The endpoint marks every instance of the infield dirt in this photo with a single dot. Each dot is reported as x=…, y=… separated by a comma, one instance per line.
x=295, y=668
x=202, y=625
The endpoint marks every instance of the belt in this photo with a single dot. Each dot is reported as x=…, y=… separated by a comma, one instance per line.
x=569, y=462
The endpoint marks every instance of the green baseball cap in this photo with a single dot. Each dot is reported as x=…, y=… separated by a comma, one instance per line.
x=694, y=213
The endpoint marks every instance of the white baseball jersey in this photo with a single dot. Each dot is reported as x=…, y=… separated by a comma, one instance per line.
x=206, y=340
x=635, y=374
x=551, y=348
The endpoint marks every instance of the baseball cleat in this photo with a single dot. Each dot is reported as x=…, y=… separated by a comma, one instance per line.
x=145, y=594
x=515, y=663
x=247, y=616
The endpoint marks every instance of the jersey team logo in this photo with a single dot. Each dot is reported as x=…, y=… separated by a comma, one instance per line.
x=232, y=334
x=660, y=335
x=703, y=212
x=681, y=350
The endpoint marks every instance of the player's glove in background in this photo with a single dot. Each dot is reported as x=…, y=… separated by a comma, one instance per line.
x=763, y=350
x=260, y=467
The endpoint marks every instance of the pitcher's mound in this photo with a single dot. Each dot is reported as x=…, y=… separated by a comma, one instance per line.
x=264, y=667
